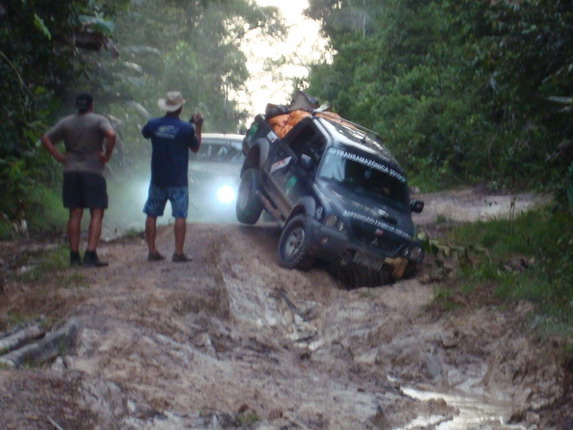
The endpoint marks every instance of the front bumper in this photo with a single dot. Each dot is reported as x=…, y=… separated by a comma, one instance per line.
x=333, y=245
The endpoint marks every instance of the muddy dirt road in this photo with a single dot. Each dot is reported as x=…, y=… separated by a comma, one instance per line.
x=231, y=340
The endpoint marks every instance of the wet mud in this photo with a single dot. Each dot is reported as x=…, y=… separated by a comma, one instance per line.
x=231, y=340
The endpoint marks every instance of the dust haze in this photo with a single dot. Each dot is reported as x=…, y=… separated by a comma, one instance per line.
x=127, y=199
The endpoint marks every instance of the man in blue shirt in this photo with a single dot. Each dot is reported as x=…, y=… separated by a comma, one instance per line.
x=171, y=140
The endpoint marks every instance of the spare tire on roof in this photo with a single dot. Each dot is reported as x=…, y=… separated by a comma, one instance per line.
x=303, y=101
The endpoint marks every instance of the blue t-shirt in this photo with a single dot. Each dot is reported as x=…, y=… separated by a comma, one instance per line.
x=171, y=139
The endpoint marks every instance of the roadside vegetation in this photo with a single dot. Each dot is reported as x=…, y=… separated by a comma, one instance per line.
x=462, y=91
x=505, y=261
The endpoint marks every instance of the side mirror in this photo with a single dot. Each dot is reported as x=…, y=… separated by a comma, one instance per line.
x=416, y=206
x=306, y=161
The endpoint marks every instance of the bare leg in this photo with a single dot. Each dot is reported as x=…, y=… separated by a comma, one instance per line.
x=94, y=231
x=180, y=230
x=74, y=228
x=150, y=233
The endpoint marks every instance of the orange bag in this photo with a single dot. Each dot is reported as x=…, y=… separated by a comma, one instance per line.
x=282, y=124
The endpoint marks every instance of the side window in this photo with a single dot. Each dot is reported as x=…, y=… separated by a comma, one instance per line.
x=203, y=154
x=218, y=151
x=233, y=151
x=315, y=148
x=308, y=141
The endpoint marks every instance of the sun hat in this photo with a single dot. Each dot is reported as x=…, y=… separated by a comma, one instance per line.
x=173, y=101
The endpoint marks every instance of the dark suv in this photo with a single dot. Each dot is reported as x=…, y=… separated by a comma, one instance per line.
x=336, y=190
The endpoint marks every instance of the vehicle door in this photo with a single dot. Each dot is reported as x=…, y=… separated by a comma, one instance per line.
x=276, y=168
x=303, y=148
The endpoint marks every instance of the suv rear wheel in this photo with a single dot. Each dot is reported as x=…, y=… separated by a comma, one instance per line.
x=249, y=206
x=293, y=245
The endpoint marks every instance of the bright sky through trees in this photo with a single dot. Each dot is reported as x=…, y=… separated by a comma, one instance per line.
x=273, y=64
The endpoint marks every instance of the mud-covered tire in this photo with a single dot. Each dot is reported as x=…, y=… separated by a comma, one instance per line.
x=293, y=248
x=249, y=206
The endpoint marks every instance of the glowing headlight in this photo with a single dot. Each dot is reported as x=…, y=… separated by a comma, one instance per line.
x=226, y=194
x=331, y=221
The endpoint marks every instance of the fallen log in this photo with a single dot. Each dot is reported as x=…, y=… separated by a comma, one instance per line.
x=21, y=337
x=49, y=347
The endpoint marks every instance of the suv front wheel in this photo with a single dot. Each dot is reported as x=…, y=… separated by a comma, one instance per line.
x=249, y=206
x=294, y=245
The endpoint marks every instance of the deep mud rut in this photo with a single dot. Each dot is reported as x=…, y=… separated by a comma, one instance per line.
x=231, y=340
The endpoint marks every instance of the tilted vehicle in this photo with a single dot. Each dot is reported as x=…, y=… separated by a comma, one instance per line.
x=337, y=191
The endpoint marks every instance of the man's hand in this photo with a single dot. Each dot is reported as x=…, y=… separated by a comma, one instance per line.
x=104, y=158
x=49, y=145
x=197, y=119
x=110, y=136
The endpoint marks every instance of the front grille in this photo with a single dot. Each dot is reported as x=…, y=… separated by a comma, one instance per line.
x=387, y=243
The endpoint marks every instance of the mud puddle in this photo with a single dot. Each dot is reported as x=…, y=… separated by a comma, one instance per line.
x=470, y=412
x=470, y=205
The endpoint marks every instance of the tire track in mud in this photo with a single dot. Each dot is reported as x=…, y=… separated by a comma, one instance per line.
x=216, y=344
x=241, y=349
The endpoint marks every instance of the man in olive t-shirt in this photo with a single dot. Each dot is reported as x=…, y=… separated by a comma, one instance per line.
x=84, y=186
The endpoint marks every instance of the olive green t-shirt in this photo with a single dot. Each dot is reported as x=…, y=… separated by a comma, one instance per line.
x=84, y=137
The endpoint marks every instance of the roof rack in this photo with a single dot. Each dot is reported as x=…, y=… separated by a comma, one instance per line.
x=335, y=117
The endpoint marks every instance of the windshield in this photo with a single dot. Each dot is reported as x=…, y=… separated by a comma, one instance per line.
x=363, y=136
x=364, y=176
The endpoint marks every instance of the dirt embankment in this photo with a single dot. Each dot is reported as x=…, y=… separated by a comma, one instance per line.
x=231, y=340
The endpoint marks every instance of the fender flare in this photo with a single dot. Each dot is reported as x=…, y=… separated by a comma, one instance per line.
x=257, y=155
x=306, y=205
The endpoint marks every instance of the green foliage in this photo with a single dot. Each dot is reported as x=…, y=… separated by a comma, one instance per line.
x=570, y=188
x=462, y=91
x=190, y=46
x=39, y=24
x=6, y=229
x=43, y=264
x=97, y=24
x=24, y=200
x=45, y=212
x=248, y=419
x=15, y=181
x=48, y=264
x=39, y=63
x=51, y=50
x=527, y=259
x=443, y=296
